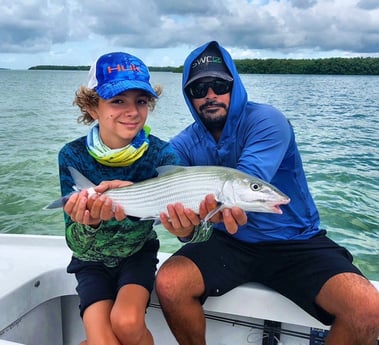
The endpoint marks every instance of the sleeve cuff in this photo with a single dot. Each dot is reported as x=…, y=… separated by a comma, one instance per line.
x=91, y=230
x=201, y=233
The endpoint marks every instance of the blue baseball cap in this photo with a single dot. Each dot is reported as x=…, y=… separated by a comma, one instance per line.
x=114, y=73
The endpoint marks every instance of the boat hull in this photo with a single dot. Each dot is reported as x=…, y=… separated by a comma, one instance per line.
x=39, y=304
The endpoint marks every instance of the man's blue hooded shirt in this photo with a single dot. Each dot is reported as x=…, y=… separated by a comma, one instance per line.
x=259, y=140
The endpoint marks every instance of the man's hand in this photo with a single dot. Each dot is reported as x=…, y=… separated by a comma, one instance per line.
x=231, y=217
x=181, y=221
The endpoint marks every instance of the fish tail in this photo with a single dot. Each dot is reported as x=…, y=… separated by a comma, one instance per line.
x=81, y=182
x=58, y=203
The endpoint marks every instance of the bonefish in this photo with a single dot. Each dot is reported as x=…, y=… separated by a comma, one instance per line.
x=189, y=186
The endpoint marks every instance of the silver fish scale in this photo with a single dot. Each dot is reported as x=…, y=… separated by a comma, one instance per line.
x=149, y=198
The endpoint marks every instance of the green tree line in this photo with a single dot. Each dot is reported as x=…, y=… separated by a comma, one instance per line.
x=60, y=68
x=348, y=66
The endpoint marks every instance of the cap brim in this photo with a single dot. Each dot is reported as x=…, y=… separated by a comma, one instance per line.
x=215, y=74
x=110, y=90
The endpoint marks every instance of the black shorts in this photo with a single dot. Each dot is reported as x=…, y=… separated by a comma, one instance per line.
x=97, y=282
x=296, y=269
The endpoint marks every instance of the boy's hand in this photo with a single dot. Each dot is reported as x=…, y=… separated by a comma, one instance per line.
x=91, y=210
x=179, y=221
x=106, y=185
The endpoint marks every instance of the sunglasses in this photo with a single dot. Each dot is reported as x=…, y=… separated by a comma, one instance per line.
x=200, y=89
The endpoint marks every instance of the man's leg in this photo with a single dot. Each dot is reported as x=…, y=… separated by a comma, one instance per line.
x=355, y=303
x=179, y=284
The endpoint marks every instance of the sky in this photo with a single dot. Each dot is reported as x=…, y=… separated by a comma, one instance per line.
x=164, y=32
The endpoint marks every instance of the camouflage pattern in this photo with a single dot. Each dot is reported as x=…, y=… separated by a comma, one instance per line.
x=112, y=240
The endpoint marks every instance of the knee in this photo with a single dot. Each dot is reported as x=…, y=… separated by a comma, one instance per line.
x=171, y=282
x=128, y=327
x=178, y=279
x=165, y=286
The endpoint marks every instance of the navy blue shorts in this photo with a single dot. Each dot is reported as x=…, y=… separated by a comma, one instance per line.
x=97, y=282
x=297, y=268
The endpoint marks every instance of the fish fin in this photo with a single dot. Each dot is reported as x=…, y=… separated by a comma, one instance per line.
x=219, y=207
x=169, y=169
x=81, y=182
x=148, y=218
x=157, y=221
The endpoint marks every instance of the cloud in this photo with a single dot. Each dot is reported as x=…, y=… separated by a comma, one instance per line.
x=54, y=29
x=304, y=3
x=26, y=26
x=368, y=4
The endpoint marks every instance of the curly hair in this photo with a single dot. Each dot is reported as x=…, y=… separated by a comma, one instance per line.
x=87, y=99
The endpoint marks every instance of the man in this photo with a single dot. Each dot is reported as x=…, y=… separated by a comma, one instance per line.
x=289, y=253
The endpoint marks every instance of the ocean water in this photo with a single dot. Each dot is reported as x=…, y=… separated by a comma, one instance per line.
x=336, y=121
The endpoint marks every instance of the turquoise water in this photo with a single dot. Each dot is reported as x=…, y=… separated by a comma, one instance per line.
x=336, y=120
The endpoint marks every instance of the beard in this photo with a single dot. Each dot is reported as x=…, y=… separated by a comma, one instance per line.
x=211, y=120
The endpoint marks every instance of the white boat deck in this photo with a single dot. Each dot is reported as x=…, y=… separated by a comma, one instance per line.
x=33, y=271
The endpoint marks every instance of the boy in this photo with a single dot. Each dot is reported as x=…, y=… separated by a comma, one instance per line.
x=114, y=258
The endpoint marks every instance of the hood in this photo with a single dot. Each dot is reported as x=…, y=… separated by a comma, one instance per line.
x=238, y=97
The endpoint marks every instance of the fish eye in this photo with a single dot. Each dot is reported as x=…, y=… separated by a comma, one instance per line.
x=255, y=186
